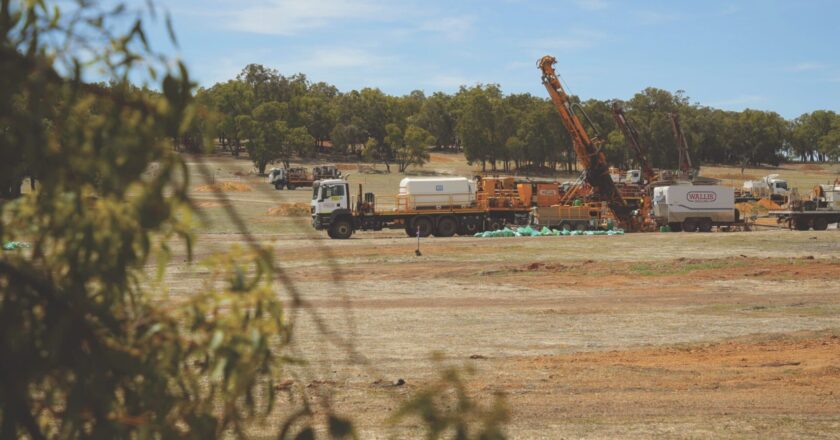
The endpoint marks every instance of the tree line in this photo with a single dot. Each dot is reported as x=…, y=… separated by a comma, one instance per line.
x=276, y=118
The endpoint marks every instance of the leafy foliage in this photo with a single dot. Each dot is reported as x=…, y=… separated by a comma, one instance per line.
x=447, y=410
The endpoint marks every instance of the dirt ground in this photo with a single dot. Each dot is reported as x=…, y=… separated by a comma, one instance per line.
x=661, y=335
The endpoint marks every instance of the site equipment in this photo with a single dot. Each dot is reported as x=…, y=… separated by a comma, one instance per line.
x=588, y=150
x=693, y=208
x=817, y=213
x=770, y=186
x=292, y=178
x=684, y=167
x=424, y=206
x=631, y=136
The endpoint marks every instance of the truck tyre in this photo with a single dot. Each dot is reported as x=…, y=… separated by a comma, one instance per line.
x=675, y=226
x=581, y=226
x=820, y=224
x=290, y=187
x=565, y=226
x=494, y=224
x=278, y=186
x=446, y=227
x=705, y=225
x=689, y=225
x=340, y=229
x=468, y=227
x=801, y=224
x=424, y=224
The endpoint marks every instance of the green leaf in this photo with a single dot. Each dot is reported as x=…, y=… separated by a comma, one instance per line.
x=340, y=428
x=306, y=434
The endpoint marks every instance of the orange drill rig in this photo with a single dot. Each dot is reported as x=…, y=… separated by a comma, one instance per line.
x=588, y=150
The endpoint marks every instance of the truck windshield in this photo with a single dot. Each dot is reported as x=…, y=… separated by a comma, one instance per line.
x=315, y=188
x=782, y=185
x=333, y=190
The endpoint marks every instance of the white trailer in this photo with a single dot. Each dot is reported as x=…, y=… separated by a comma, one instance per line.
x=695, y=207
x=437, y=192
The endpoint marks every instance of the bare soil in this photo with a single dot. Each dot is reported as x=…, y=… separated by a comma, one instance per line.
x=660, y=335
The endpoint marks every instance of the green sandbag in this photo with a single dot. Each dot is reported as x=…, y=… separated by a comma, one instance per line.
x=507, y=232
x=14, y=245
x=545, y=231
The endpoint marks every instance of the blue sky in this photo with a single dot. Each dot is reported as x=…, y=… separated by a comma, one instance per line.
x=770, y=55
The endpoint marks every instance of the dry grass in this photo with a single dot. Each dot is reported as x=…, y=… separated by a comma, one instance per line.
x=207, y=205
x=298, y=209
x=811, y=167
x=732, y=176
x=223, y=187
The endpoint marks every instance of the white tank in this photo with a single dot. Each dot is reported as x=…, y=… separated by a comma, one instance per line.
x=437, y=192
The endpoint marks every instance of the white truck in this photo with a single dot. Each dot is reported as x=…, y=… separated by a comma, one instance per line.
x=693, y=208
x=770, y=186
x=435, y=206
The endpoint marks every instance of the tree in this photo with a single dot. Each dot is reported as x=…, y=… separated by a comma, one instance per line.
x=95, y=354
x=476, y=125
x=413, y=149
x=436, y=117
x=301, y=142
x=268, y=136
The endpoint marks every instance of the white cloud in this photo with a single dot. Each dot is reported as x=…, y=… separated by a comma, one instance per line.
x=805, y=67
x=592, y=5
x=326, y=58
x=291, y=17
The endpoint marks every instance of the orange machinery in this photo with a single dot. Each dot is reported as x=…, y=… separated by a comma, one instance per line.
x=588, y=150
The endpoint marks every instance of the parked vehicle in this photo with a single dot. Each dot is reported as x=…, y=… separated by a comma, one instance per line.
x=293, y=178
x=441, y=207
x=695, y=207
x=821, y=210
x=770, y=186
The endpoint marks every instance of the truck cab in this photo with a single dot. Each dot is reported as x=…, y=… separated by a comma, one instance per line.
x=330, y=207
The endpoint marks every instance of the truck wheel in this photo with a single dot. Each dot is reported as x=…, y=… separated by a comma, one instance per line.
x=341, y=229
x=565, y=226
x=494, y=224
x=581, y=226
x=675, y=226
x=278, y=186
x=689, y=225
x=290, y=187
x=468, y=227
x=820, y=224
x=801, y=224
x=424, y=224
x=446, y=227
x=705, y=225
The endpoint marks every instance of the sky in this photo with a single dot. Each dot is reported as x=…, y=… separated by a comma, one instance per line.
x=771, y=55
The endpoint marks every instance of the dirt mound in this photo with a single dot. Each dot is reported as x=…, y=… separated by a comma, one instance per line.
x=223, y=187
x=299, y=209
x=347, y=166
x=811, y=167
x=768, y=204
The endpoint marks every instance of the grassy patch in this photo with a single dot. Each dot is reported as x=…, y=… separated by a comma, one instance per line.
x=683, y=267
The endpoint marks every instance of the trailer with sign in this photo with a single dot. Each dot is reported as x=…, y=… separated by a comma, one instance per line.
x=693, y=208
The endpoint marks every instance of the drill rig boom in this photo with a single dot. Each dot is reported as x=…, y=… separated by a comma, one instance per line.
x=588, y=150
